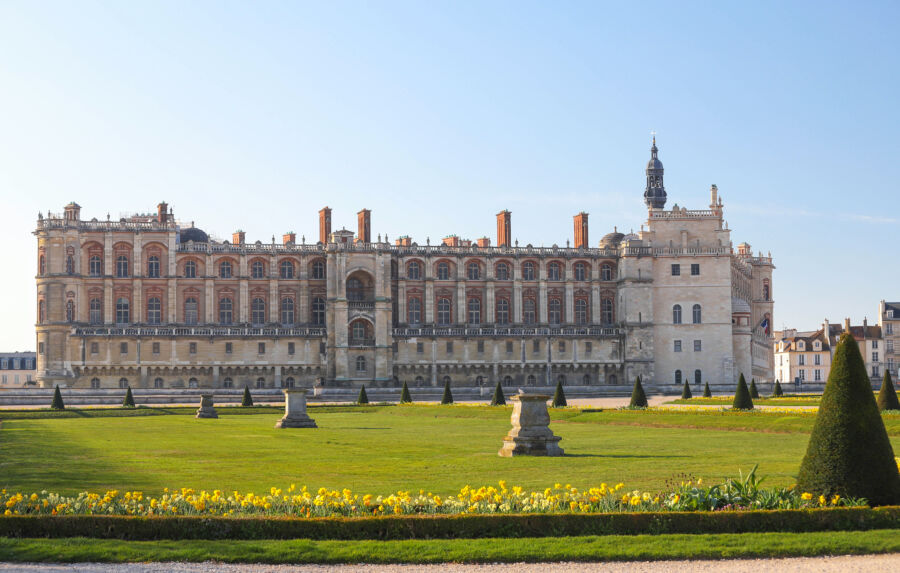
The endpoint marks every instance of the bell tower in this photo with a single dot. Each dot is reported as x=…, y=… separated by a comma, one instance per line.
x=655, y=192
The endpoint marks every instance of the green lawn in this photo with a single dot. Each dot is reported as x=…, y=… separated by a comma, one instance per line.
x=787, y=400
x=380, y=449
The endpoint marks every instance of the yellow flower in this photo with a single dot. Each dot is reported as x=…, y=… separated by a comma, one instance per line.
x=835, y=500
x=822, y=500
x=806, y=496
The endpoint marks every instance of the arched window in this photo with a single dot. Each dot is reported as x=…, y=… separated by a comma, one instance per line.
x=191, y=311
x=260, y=382
x=412, y=271
x=613, y=379
x=190, y=270
x=528, y=311
x=95, y=383
x=580, y=272
x=473, y=271
x=70, y=265
x=531, y=380
x=766, y=293
x=121, y=266
x=225, y=270
x=318, y=311
x=553, y=272
x=414, y=311
x=698, y=376
x=153, y=267
x=287, y=311
x=502, y=272
x=474, y=311
x=154, y=310
x=503, y=311
x=355, y=289
x=446, y=380
x=123, y=316
x=158, y=383
x=676, y=314
x=257, y=270
x=70, y=311
x=508, y=380
x=695, y=311
x=193, y=383
x=528, y=271
x=581, y=313
x=606, y=311
x=286, y=270
x=123, y=383
x=678, y=376
x=42, y=265
x=228, y=383
x=258, y=311
x=606, y=272
x=42, y=313
x=419, y=381
x=586, y=379
x=287, y=382
x=318, y=270
x=561, y=378
x=443, y=307
x=96, y=311
x=361, y=364
x=359, y=332
x=443, y=271
x=95, y=266
x=226, y=311
x=555, y=309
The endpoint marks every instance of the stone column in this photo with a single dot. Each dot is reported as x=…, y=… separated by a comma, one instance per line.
x=295, y=415
x=530, y=434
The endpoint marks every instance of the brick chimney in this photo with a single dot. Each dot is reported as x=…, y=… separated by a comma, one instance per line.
x=504, y=229
x=847, y=324
x=451, y=241
x=289, y=238
x=364, y=226
x=403, y=241
x=324, y=224
x=581, y=230
x=162, y=213
x=484, y=242
x=238, y=237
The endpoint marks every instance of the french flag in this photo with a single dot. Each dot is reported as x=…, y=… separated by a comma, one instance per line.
x=765, y=324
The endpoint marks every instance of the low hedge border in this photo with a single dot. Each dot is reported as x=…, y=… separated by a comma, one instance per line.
x=448, y=527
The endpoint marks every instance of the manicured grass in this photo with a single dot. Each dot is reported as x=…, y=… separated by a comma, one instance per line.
x=591, y=548
x=787, y=400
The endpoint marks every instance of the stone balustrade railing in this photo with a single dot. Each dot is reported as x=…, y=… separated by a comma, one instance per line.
x=517, y=331
x=230, y=331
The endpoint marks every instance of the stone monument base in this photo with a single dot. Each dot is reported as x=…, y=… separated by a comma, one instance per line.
x=295, y=415
x=206, y=407
x=519, y=446
x=530, y=434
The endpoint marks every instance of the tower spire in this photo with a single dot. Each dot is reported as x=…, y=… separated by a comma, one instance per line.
x=655, y=190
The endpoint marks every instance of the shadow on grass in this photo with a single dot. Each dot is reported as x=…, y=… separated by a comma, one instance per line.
x=622, y=456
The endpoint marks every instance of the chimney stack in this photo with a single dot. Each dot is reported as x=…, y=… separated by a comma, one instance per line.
x=484, y=242
x=238, y=237
x=581, y=230
x=504, y=229
x=289, y=238
x=451, y=241
x=403, y=241
x=162, y=213
x=364, y=226
x=324, y=224
x=847, y=324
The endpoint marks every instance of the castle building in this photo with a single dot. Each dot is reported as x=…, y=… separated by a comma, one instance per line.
x=148, y=302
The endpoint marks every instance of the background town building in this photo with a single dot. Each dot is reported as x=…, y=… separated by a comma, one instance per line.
x=17, y=369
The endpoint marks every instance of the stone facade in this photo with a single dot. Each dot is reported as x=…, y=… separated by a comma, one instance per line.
x=149, y=302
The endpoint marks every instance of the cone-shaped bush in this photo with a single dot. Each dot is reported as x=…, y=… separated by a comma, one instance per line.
x=57, y=403
x=887, y=396
x=498, y=399
x=362, y=398
x=742, y=399
x=754, y=393
x=778, y=391
x=447, y=398
x=849, y=453
x=247, y=400
x=128, y=402
x=559, y=397
x=638, y=398
x=707, y=393
x=686, y=392
x=405, y=397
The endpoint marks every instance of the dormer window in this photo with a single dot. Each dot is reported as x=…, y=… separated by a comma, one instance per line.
x=800, y=346
x=817, y=345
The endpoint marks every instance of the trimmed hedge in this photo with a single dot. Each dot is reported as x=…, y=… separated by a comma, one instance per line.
x=887, y=396
x=778, y=391
x=707, y=393
x=754, y=393
x=559, y=397
x=247, y=399
x=742, y=400
x=448, y=527
x=447, y=398
x=686, y=392
x=128, y=402
x=363, y=398
x=498, y=399
x=638, y=397
x=405, y=397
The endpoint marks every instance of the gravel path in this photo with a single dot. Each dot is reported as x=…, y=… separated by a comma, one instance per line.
x=843, y=564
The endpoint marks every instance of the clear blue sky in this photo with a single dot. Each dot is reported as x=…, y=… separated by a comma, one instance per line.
x=437, y=115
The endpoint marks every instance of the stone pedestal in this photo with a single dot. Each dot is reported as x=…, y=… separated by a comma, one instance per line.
x=206, y=407
x=295, y=415
x=530, y=434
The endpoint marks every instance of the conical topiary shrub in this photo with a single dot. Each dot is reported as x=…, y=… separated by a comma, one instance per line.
x=247, y=400
x=754, y=393
x=849, y=453
x=707, y=393
x=686, y=392
x=447, y=398
x=638, y=398
x=362, y=398
x=887, y=396
x=742, y=399
x=778, y=391
x=57, y=403
x=405, y=397
x=128, y=402
x=559, y=397
x=498, y=399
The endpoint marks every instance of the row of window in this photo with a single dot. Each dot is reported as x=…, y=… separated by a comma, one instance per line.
x=696, y=314
x=535, y=347
x=695, y=269
x=503, y=308
x=698, y=377
x=226, y=268
x=192, y=348
x=503, y=271
x=531, y=380
x=698, y=346
x=194, y=383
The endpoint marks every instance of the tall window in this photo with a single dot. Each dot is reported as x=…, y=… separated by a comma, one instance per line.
x=503, y=311
x=70, y=311
x=121, y=266
x=225, y=270
x=555, y=311
x=154, y=310
x=474, y=311
x=528, y=271
x=355, y=289
x=42, y=313
x=95, y=266
x=318, y=269
x=257, y=270
x=287, y=311
x=443, y=307
x=358, y=331
x=258, y=311
x=191, y=311
x=695, y=311
x=766, y=293
x=153, y=267
x=414, y=311
x=580, y=272
x=190, y=270
x=473, y=272
x=606, y=272
x=676, y=314
x=698, y=376
x=553, y=271
x=606, y=311
x=443, y=271
x=581, y=313
x=96, y=311
x=361, y=364
x=528, y=311
x=678, y=376
x=502, y=272
x=42, y=265
x=123, y=315
x=70, y=265
x=226, y=311
x=318, y=311
x=413, y=271
x=286, y=270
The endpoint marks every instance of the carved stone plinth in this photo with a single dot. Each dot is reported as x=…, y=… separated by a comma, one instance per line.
x=206, y=407
x=530, y=434
x=295, y=415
